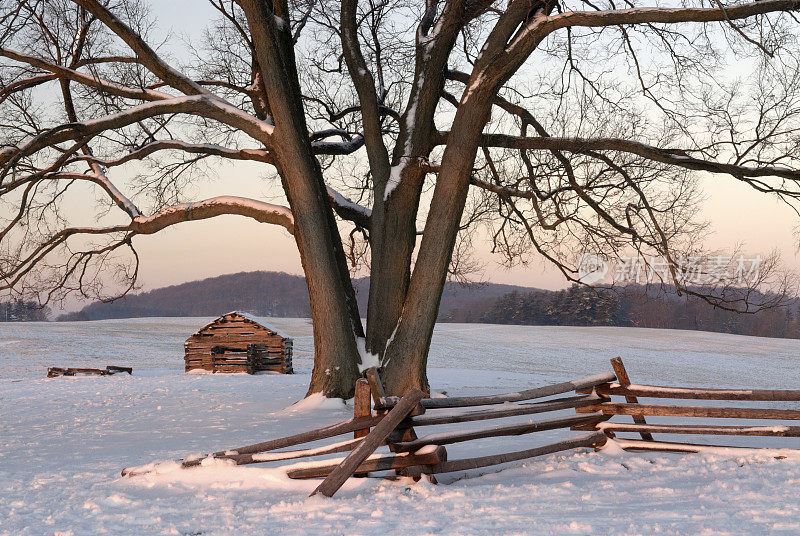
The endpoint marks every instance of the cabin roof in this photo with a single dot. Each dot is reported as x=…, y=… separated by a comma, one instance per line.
x=248, y=316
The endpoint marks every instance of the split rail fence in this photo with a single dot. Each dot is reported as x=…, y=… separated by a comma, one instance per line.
x=776, y=420
x=394, y=422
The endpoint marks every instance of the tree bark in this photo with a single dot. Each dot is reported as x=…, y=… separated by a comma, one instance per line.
x=394, y=232
x=392, y=245
x=406, y=357
x=334, y=310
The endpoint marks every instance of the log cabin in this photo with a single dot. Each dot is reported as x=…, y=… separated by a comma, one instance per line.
x=238, y=342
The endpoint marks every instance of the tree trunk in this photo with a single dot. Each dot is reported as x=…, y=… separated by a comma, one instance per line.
x=334, y=311
x=392, y=245
x=394, y=221
x=406, y=357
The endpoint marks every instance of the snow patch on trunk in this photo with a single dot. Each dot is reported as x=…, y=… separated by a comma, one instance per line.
x=368, y=359
x=395, y=175
x=394, y=332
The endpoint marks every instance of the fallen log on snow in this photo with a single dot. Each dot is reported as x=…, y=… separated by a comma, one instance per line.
x=54, y=372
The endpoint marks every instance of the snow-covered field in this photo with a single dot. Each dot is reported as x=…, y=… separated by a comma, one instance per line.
x=63, y=441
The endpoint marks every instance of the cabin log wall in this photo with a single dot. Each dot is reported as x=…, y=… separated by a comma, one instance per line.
x=235, y=343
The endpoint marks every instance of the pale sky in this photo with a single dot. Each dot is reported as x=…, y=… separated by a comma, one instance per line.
x=230, y=244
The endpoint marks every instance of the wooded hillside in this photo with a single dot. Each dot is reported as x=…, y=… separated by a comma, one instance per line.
x=284, y=295
x=22, y=311
x=272, y=294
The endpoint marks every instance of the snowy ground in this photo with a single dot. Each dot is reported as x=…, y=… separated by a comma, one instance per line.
x=63, y=441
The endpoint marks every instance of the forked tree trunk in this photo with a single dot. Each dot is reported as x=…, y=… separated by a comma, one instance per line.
x=402, y=311
x=393, y=241
x=406, y=357
x=394, y=232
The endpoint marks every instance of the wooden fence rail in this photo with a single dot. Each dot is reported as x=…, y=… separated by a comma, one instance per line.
x=611, y=408
x=344, y=427
x=693, y=393
x=375, y=462
x=539, y=392
x=667, y=446
x=624, y=380
x=773, y=431
x=448, y=438
x=594, y=439
x=508, y=410
x=374, y=439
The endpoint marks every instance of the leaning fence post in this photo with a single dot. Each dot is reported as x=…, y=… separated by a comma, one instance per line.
x=372, y=441
x=625, y=381
x=405, y=433
x=376, y=387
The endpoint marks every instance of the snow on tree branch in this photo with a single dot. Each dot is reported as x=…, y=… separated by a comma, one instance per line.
x=350, y=210
x=213, y=207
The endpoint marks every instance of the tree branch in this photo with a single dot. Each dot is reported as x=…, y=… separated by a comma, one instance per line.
x=644, y=15
x=210, y=208
x=676, y=157
x=350, y=210
x=365, y=88
x=85, y=79
x=146, y=55
x=258, y=155
x=201, y=105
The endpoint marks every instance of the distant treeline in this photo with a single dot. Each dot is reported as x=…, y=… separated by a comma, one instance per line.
x=23, y=311
x=638, y=306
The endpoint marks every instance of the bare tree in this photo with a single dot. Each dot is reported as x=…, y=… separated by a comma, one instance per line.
x=570, y=127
